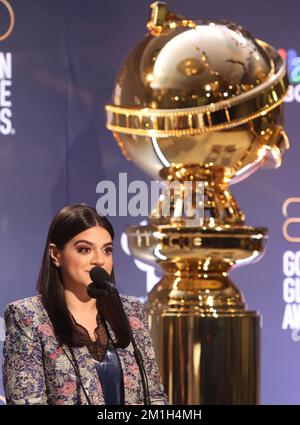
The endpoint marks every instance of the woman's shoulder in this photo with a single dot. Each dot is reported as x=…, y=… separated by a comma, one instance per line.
x=130, y=301
x=128, y=298
x=30, y=307
x=135, y=311
x=29, y=303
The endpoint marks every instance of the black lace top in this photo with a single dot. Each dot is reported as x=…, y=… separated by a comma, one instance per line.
x=107, y=362
x=98, y=347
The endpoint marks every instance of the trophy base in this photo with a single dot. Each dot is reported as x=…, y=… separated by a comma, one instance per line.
x=207, y=344
x=209, y=360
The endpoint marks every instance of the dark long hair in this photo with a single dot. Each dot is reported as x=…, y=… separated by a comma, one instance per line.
x=69, y=222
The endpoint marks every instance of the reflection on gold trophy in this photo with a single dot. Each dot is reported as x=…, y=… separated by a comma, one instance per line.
x=201, y=101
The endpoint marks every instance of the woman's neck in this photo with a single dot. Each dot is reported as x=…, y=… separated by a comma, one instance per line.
x=80, y=303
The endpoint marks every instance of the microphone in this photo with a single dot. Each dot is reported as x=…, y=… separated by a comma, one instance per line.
x=101, y=283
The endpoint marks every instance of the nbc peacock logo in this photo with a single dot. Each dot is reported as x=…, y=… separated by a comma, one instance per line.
x=293, y=65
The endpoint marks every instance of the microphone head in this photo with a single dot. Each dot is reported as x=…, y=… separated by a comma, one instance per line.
x=100, y=276
x=93, y=291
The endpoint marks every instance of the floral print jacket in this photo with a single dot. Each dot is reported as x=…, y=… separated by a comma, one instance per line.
x=37, y=370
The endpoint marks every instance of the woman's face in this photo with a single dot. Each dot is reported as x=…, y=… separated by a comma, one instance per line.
x=90, y=248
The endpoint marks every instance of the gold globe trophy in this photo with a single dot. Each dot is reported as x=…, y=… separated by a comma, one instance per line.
x=201, y=101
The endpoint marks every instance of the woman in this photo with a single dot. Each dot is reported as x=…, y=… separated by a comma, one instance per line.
x=64, y=347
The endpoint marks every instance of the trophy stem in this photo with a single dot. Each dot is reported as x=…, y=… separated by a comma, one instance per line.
x=216, y=207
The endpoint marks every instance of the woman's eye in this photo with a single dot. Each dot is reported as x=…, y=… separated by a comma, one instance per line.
x=108, y=250
x=84, y=250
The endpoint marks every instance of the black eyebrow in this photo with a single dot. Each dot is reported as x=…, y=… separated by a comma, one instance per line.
x=107, y=244
x=91, y=244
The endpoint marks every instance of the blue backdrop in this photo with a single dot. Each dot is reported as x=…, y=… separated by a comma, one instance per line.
x=57, y=70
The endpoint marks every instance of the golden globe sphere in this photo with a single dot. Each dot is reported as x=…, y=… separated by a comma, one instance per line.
x=200, y=92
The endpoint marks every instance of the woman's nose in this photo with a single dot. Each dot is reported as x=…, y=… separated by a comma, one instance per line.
x=98, y=259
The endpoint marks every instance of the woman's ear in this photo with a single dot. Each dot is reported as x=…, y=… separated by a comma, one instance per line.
x=54, y=254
